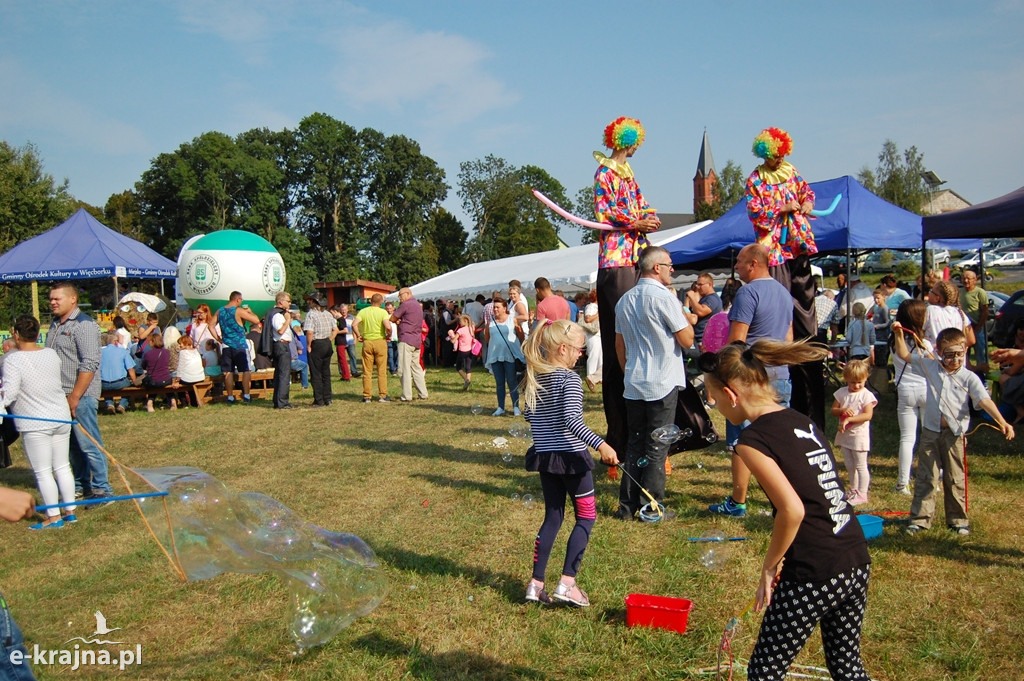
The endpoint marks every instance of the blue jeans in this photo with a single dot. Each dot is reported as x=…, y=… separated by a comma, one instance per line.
x=303, y=369
x=12, y=640
x=783, y=387
x=117, y=385
x=88, y=463
x=392, y=357
x=980, y=348
x=505, y=373
x=351, y=350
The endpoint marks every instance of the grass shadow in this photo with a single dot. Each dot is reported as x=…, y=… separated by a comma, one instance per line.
x=439, y=452
x=459, y=664
x=508, y=585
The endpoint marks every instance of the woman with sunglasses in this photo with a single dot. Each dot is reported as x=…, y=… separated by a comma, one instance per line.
x=816, y=567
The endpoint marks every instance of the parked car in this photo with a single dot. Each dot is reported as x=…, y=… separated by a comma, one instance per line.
x=1008, y=315
x=940, y=256
x=972, y=261
x=1008, y=259
x=996, y=300
x=882, y=261
x=831, y=265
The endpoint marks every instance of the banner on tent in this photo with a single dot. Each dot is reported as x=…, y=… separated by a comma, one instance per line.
x=87, y=273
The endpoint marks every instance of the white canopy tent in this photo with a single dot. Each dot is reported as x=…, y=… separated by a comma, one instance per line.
x=569, y=269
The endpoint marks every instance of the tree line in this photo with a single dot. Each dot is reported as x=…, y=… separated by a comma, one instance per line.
x=338, y=203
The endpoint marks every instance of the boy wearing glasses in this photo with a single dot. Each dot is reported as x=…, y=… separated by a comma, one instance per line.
x=946, y=419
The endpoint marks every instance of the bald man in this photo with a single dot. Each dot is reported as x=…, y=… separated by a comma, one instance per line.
x=409, y=317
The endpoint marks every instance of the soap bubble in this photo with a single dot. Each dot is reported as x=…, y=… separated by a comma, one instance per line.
x=643, y=462
x=506, y=457
x=711, y=438
x=477, y=409
x=527, y=501
x=515, y=498
x=333, y=577
x=700, y=465
x=671, y=433
x=666, y=434
x=522, y=430
x=718, y=553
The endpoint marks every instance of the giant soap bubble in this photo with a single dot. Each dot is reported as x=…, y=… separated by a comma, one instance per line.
x=206, y=529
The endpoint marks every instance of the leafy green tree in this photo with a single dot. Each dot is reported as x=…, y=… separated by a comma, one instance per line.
x=897, y=177
x=404, y=189
x=507, y=219
x=585, y=209
x=446, y=235
x=32, y=203
x=327, y=172
x=732, y=186
x=121, y=214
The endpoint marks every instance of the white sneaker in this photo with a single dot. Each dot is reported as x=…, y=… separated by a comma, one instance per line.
x=498, y=412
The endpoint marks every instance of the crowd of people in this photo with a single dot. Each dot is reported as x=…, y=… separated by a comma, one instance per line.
x=636, y=337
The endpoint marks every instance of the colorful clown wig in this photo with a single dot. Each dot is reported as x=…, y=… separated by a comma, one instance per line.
x=623, y=133
x=773, y=143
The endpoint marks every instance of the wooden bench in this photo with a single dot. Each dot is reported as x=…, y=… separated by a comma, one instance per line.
x=199, y=391
x=261, y=385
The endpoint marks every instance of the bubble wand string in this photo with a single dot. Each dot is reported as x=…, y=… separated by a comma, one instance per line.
x=176, y=561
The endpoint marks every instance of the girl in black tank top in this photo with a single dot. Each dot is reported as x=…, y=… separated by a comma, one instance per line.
x=816, y=566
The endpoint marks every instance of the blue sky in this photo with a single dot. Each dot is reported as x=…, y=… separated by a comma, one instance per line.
x=103, y=87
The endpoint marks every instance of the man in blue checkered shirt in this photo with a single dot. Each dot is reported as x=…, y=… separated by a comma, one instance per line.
x=76, y=339
x=650, y=335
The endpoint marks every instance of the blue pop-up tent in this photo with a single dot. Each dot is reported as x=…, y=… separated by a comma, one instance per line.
x=861, y=220
x=81, y=247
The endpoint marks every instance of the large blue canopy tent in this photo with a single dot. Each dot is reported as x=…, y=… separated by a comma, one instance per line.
x=861, y=220
x=82, y=247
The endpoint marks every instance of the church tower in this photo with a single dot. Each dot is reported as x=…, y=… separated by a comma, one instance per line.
x=704, y=180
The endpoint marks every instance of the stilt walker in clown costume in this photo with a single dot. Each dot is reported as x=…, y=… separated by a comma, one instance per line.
x=778, y=204
x=618, y=203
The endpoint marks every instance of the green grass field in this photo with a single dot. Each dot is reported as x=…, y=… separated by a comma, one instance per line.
x=425, y=487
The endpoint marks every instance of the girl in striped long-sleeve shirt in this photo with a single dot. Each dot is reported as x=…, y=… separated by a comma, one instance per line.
x=554, y=407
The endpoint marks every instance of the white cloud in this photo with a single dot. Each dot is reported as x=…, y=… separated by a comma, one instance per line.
x=236, y=21
x=31, y=105
x=396, y=67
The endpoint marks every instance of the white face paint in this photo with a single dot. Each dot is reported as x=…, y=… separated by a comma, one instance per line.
x=953, y=357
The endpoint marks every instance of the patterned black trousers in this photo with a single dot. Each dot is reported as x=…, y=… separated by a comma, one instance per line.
x=838, y=605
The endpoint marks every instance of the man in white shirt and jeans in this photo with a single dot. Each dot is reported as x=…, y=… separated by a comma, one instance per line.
x=650, y=335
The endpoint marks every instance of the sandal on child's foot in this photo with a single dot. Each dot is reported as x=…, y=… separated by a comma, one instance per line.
x=535, y=592
x=571, y=594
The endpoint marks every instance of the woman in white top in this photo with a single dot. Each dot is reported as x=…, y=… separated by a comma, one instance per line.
x=201, y=330
x=32, y=387
x=911, y=388
x=595, y=359
x=943, y=310
x=520, y=308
